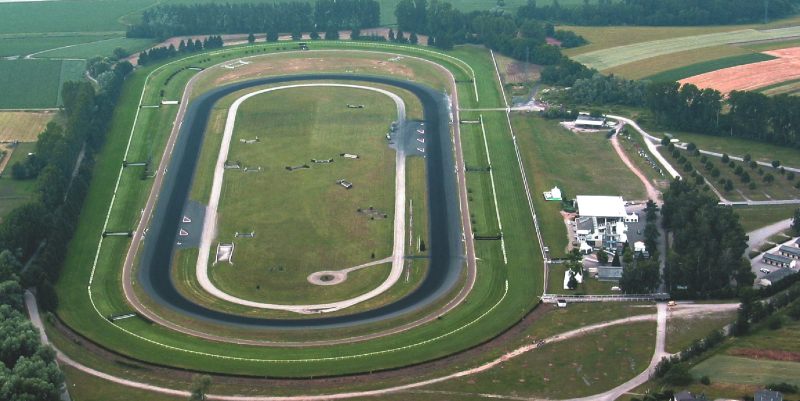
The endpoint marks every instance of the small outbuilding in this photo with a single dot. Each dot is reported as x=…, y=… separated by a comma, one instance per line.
x=553, y=194
x=778, y=260
x=589, y=122
x=789, y=251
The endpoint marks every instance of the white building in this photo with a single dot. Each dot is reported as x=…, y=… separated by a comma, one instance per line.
x=553, y=194
x=601, y=221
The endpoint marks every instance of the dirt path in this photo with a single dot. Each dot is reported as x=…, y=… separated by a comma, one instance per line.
x=652, y=193
x=210, y=221
x=681, y=310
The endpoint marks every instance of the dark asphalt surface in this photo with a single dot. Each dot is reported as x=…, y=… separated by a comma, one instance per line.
x=445, y=234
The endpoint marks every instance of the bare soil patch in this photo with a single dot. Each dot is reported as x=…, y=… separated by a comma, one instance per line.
x=773, y=355
x=785, y=67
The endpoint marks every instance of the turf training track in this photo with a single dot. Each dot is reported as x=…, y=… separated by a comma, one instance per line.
x=445, y=233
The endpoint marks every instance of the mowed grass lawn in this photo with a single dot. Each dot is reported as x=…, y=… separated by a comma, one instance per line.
x=303, y=220
x=36, y=83
x=579, y=164
x=581, y=366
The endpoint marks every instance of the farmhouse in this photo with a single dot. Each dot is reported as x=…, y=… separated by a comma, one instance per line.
x=586, y=121
x=601, y=221
x=778, y=260
x=789, y=251
x=768, y=395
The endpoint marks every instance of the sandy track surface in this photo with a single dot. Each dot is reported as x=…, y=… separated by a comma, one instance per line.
x=785, y=67
x=210, y=222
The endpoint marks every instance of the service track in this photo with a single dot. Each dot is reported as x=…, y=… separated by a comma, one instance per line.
x=445, y=232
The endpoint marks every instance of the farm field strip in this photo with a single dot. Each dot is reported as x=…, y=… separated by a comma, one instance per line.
x=785, y=67
x=679, y=73
x=616, y=56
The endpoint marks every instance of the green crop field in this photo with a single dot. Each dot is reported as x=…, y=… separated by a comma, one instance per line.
x=681, y=333
x=784, y=88
x=22, y=45
x=707, y=66
x=305, y=222
x=36, y=83
x=607, y=58
x=579, y=164
x=103, y=47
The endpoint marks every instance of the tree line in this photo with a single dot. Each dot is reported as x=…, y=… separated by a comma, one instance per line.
x=179, y=19
x=708, y=244
x=660, y=12
x=185, y=46
x=38, y=232
x=742, y=114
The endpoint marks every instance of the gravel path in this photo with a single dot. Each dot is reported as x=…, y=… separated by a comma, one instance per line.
x=210, y=222
x=652, y=193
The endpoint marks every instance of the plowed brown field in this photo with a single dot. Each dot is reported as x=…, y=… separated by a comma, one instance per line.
x=785, y=67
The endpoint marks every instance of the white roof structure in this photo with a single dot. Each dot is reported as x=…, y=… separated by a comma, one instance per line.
x=601, y=206
x=590, y=121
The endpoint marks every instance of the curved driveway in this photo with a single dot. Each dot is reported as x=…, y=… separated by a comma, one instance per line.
x=210, y=221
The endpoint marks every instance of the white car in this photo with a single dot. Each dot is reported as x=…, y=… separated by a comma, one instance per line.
x=765, y=271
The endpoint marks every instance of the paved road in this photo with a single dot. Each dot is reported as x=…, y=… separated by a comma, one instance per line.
x=210, y=221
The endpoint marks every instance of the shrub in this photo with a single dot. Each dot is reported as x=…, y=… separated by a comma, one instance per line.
x=715, y=172
x=703, y=158
x=678, y=375
x=725, y=158
x=705, y=380
x=776, y=163
x=676, y=153
x=747, y=157
x=775, y=323
x=691, y=147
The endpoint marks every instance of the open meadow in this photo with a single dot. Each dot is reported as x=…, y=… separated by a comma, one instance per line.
x=303, y=220
x=24, y=126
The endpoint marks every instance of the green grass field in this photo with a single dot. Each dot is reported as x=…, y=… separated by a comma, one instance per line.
x=98, y=48
x=583, y=366
x=589, y=285
x=579, y=164
x=304, y=222
x=754, y=217
x=681, y=333
x=732, y=369
x=700, y=68
x=36, y=83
